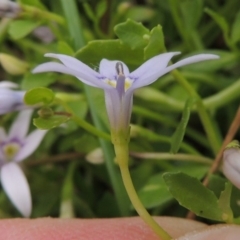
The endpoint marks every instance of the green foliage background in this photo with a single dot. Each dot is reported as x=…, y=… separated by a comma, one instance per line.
x=63, y=183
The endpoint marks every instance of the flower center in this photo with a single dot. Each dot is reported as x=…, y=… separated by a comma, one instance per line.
x=126, y=82
x=113, y=83
x=10, y=150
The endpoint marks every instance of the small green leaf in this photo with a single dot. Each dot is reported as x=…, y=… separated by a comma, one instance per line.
x=51, y=122
x=155, y=193
x=224, y=203
x=156, y=43
x=101, y=8
x=96, y=50
x=180, y=131
x=21, y=28
x=190, y=193
x=132, y=34
x=39, y=95
x=235, y=34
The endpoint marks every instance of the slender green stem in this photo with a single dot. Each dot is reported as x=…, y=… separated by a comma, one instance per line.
x=90, y=128
x=204, y=116
x=41, y=14
x=82, y=123
x=76, y=32
x=175, y=157
x=121, y=151
x=224, y=97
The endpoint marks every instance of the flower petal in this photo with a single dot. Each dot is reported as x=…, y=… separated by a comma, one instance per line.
x=108, y=69
x=20, y=126
x=11, y=100
x=231, y=165
x=58, y=67
x=16, y=187
x=74, y=64
x=150, y=78
x=8, y=84
x=31, y=143
x=113, y=106
x=152, y=66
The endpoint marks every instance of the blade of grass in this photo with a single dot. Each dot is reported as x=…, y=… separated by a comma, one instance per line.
x=75, y=29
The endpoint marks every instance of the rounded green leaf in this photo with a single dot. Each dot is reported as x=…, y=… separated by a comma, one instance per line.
x=132, y=33
x=51, y=122
x=191, y=194
x=39, y=95
x=21, y=28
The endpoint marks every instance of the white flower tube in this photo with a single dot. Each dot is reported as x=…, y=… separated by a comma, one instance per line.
x=231, y=163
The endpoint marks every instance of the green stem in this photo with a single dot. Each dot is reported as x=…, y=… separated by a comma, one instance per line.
x=204, y=116
x=121, y=151
x=82, y=123
x=41, y=14
x=224, y=97
x=76, y=32
x=175, y=157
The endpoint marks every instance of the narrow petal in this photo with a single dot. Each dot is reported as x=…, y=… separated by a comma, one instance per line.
x=127, y=103
x=113, y=106
x=152, y=66
x=8, y=84
x=11, y=100
x=231, y=165
x=30, y=145
x=16, y=187
x=150, y=78
x=75, y=64
x=20, y=126
x=58, y=67
x=108, y=69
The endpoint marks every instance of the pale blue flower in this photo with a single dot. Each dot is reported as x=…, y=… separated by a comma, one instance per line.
x=14, y=148
x=231, y=163
x=10, y=100
x=9, y=9
x=116, y=80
